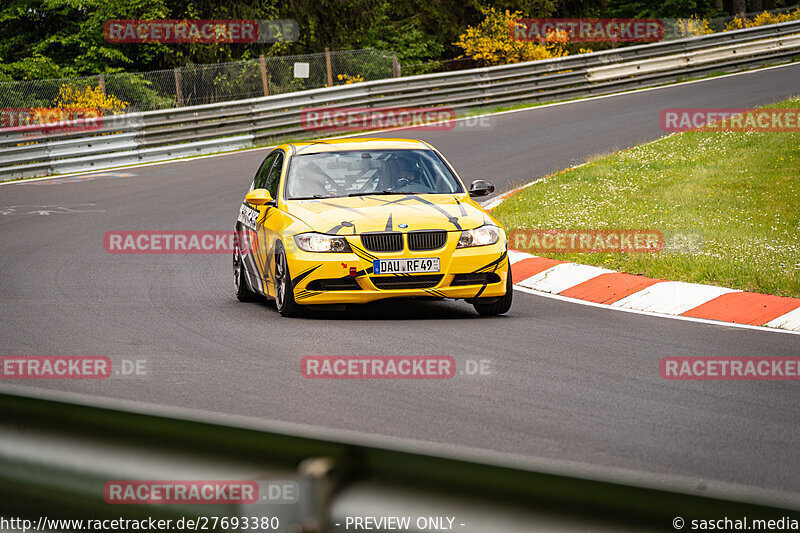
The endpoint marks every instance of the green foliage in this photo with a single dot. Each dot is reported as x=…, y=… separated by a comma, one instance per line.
x=63, y=38
x=401, y=36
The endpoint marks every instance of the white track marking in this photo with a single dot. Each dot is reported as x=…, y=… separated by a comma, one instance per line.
x=790, y=320
x=672, y=297
x=651, y=313
x=561, y=277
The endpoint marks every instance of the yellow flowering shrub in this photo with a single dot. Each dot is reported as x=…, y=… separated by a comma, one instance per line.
x=762, y=19
x=73, y=102
x=491, y=42
x=693, y=27
x=348, y=79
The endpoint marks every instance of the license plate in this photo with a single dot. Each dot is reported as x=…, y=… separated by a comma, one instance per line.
x=405, y=266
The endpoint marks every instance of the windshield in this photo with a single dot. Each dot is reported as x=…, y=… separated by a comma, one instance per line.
x=365, y=172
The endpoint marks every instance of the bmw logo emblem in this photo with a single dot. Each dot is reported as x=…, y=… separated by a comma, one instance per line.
x=402, y=225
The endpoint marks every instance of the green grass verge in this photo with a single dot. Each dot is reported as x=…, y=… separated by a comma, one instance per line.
x=727, y=203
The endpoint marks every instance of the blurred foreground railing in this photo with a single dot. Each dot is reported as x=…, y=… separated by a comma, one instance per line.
x=56, y=457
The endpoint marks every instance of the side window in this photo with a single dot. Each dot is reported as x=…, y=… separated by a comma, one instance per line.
x=261, y=175
x=274, y=176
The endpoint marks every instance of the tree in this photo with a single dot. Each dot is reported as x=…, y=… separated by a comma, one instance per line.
x=403, y=37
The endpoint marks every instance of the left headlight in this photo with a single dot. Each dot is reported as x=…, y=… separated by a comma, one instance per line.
x=319, y=242
x=482, y=236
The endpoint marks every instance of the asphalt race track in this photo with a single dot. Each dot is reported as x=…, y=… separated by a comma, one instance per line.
x=570, y=382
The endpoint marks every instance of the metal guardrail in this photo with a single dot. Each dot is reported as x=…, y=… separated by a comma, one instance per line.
x=55, y=458
x=181, y=132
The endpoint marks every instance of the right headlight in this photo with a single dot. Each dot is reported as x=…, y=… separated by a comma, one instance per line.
x=482, y=236
x=319, y=242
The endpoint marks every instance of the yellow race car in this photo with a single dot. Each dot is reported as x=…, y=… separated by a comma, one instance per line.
x=357, y=220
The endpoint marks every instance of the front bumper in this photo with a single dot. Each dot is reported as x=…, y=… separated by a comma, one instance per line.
x=465, y=273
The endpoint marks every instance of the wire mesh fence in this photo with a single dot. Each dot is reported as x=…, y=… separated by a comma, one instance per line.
x=211, y=83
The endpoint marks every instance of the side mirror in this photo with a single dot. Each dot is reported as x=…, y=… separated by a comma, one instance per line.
x=259, y=197
x=480, y=188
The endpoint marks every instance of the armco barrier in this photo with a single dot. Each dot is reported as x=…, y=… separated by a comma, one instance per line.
x=140, y=137
x=56, y=457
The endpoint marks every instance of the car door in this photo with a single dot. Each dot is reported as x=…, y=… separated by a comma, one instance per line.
x=269, y=223
x=253, y=256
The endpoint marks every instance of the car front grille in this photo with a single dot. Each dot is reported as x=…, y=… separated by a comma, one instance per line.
x=383, y=242
x=474, y=279
x=426, y=240
x=424, y=281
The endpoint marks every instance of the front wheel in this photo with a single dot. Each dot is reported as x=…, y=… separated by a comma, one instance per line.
x=284, y=289
x=499, y=306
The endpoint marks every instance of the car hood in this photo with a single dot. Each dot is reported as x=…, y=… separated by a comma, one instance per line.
x=362, y=214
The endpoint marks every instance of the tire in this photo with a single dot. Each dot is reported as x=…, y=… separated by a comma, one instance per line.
x=243, y=292
x=501, y=305
x=284, y=290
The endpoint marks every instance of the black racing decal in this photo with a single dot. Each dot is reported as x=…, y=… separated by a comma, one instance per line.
x=434, y=292
x=300, y=277
x=389, y=223
x=363, y=254
x=270, y=260
x=268, y=213
x=344, y=224
x=453, y=220
x=494, y=269
x=497, y=262
x=396, y=201
x=364, y=272
x=460, y=206
x=302, y=295
x=263, y=269
x=346, y=208
x=480, y=291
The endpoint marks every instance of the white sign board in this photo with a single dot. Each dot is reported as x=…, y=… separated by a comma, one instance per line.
x=301, y=70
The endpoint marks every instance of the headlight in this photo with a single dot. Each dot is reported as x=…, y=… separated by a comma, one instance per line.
x=319, y=242
x=482, y=236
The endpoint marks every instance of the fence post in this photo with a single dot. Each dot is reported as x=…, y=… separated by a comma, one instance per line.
x=395, y=66
x=328, y=66
x=178, y=88
x=264, y=80
x=101, y=79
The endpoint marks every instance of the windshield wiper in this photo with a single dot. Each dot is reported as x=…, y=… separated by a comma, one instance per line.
x=376, y=192
x=315, y=197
